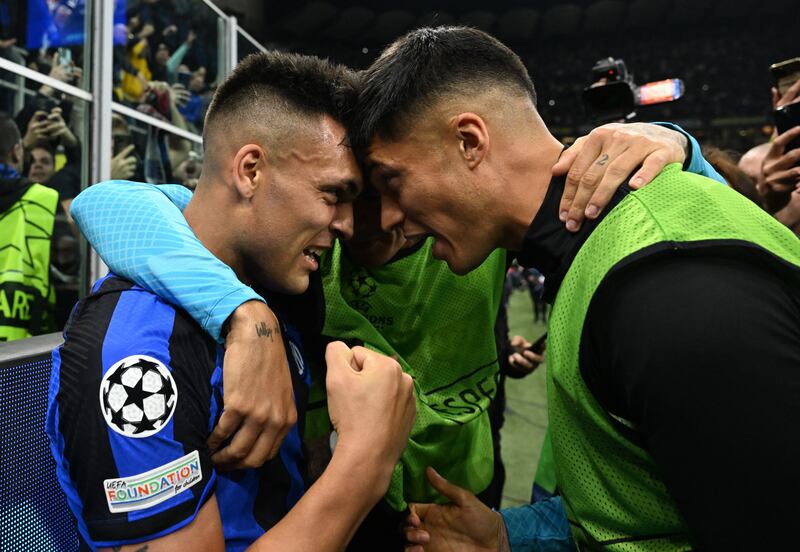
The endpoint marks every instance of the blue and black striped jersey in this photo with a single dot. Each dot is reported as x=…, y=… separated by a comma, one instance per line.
x=135, y=391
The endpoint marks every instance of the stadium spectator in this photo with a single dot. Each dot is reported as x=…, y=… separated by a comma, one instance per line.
x=41, y=163
x=165, y=65
x=192, y=109
x=739, y=180
x=27, y=213
x=136, y=72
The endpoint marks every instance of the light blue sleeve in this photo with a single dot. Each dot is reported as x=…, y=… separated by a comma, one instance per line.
x=695, y=163
x=140, y=233
x=538, y=527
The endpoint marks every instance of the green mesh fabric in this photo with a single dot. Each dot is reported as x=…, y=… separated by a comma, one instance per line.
x=440, y=327
x=610, y=486
x=25, y=232
x=545, y=476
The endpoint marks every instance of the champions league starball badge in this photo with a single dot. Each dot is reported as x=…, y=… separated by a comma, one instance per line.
x=138, y=396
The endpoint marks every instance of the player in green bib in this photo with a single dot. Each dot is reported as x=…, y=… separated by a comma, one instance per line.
x=675, y=329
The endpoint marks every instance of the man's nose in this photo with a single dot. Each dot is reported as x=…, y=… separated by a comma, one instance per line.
x=342, y=225
x=391, y=214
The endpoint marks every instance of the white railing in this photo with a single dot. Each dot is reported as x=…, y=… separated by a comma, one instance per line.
x=98, y=52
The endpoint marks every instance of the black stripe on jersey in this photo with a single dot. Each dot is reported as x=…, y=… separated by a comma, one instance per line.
x=192, y=362
x=193, y=356
x=90, y=455
x=274, y=480
x=86, y=444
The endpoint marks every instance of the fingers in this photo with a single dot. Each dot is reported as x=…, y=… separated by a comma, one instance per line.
x=418, y=512
x=588, y=155
x=417, y=537
x=782, y=140
x=787, y=160
x=454, y=493
x=784, y=181
x=364, y=358
x=228, y=423
x=519, y=361
x=533, y=358
x=589, y=184
x=567, y=158
x=258, y=438
x=337, y=354
x=237, y=450
x=791, y=95
x=653, y=164
x=519, y=343
x=413, y=518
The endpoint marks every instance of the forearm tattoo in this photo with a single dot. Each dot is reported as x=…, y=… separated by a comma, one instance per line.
x=263, y=330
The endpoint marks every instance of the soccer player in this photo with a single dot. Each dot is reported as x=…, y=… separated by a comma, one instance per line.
x=675, y=329
x=138, y=386
x=385, y=292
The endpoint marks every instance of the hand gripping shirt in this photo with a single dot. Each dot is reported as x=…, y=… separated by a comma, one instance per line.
x=135, y=392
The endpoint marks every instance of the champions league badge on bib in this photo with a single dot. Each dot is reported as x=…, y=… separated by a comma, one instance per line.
x=138, y=396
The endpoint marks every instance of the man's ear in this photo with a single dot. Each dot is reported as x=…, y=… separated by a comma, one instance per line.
x=249, y=169
x=473, y=137
x=17, y=155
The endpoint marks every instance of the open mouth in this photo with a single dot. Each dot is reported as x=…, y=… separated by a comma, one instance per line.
x=312, y=254
x=416, y=238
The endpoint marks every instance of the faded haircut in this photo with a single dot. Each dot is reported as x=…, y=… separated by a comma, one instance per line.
x=9, y=136
x=425, y=65
x=275, y=89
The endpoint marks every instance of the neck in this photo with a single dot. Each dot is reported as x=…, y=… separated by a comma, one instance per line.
x=209, y=215
x=527, y=178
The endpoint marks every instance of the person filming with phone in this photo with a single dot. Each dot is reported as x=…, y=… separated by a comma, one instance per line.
x=779, y=181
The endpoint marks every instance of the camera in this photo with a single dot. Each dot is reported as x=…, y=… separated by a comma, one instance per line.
x=46, y=103
x=785, y=74
x=614, y=96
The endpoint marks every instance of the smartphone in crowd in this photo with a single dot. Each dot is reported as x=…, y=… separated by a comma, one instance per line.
x=184, y=78
x=539, y=345
x=121, y=141
x=785, y=74
x=786, y=118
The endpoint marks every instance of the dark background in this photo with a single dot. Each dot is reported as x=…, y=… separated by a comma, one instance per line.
x=721, y=49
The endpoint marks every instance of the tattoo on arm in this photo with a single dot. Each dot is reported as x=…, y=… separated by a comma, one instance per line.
x=603, y=160
x=659, y=133
x=144, y=548
x=262, y=330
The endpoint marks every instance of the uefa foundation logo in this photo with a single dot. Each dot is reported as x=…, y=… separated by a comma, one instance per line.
x=138, y=396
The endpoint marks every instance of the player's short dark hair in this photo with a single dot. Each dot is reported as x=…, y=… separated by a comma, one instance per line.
x=426, y=64
x=286, y=85
x=9, y=135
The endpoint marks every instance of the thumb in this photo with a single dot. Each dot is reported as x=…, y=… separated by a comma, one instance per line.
x=338, y=356
x=454, y=493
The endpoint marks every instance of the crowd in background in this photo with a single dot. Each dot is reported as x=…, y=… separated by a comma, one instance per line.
x=166, y=66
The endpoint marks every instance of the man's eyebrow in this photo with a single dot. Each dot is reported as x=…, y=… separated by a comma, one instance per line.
x=373, y=165
x=350, y=185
